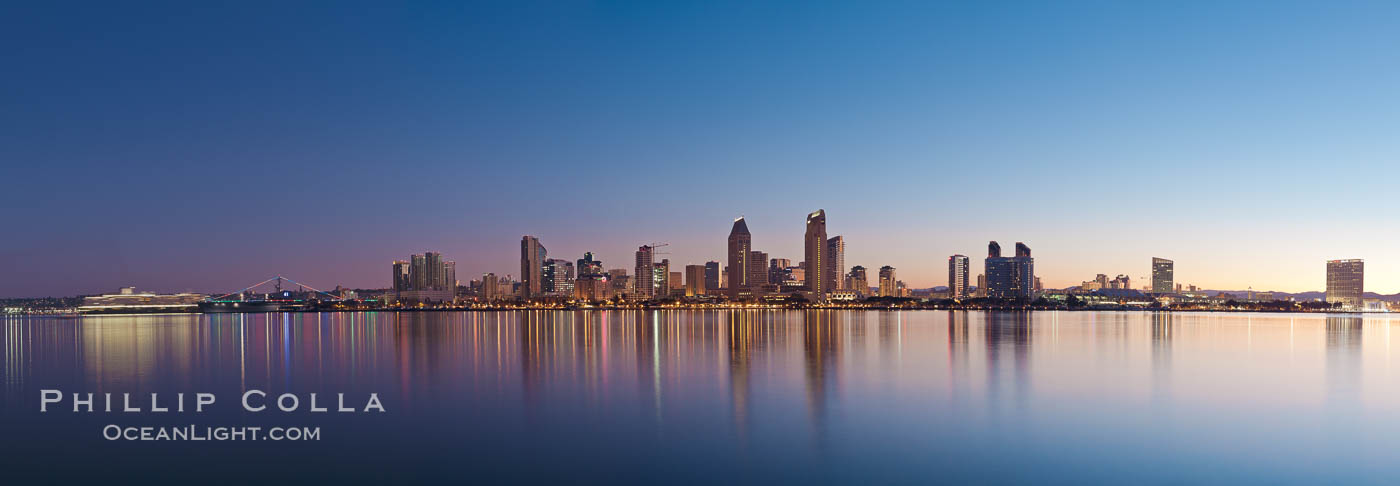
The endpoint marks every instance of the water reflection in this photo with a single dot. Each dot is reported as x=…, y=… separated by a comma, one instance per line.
x=802, y=388
x=1008, y=342
x=1344, y=365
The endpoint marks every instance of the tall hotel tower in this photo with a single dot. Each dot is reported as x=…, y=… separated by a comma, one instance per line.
x=1010, y=277
x=1345, y=280
x=740, y=244
x=816, y=255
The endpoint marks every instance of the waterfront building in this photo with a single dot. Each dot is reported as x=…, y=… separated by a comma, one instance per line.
x=592, y=287
x=1162, y=275
x=740, y=244
x=400, y=277
x=712, y=278
x=645, y=272
x=816, y=256
x=557, y=277
x=661, y=279
x=695, y=280
x=1345, y=282
x=490, y=287
x=417, y=272
x=588, y=266
x=888, y=283
x=758, y=272
x=436, y=278
x=1120, y=282
x=958, y=268
x=429, y=279
x=858, y=281
x=620, y=284
x=532, y=257
x=836, y=262
x=1010, y=277
x=778, y=270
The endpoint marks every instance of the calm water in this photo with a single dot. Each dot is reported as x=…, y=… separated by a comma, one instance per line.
x=725, y=396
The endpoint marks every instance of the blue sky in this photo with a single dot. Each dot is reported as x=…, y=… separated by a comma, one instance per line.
x=186, y=146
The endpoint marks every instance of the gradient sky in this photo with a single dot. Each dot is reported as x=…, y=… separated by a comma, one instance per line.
x=190, y=146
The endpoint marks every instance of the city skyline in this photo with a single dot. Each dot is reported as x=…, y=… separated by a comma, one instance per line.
x=181, y=156
x=533, y=255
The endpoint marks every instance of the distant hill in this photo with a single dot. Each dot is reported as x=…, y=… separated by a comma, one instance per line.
x=1305, y=296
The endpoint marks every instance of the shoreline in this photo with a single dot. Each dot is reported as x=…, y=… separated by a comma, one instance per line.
x=716, y=308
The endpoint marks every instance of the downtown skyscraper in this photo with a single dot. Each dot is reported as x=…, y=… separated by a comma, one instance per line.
x=858, y=281
x=957, y=277
x=1010, y=277
x=836, y=262
x=888, y=282
x=1346, y=282
x=532, y=257
x=712, y=276
x=644, y=275
x=816, y=256
x=1162, y=270
x=740, y=244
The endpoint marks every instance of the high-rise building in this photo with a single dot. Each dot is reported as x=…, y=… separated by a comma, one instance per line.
x=437, y=275
x=778, y=270
x=532, y=257
x=677, y=283
x=712, y=280
x=858, y=281
x=661, y=278
x=645, y=282
x=740, y=244
x=592, y=287
x=490, y=287
x=1010, y=277
x=1161, y=275
x=695, y=280
x=588, y=266
x=958, y=268
x=428, y=279
x=836, y=262
x=1022, y=250
x=401, y=280
x=618, y=283
x=816, y=256
x=557, y=277
x=981, y=286
x=417, y=272
x=1345, y=282
x=758, y=273
x=889, y=285
x=1120, y=282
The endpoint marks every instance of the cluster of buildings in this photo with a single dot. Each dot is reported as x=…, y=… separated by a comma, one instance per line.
x=423, y=278
x=821, y=276
x=748, y=274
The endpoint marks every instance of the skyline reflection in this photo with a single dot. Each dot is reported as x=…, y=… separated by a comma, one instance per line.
x=822, y=386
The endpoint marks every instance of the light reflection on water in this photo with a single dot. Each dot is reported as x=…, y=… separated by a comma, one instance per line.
x=730, y=396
